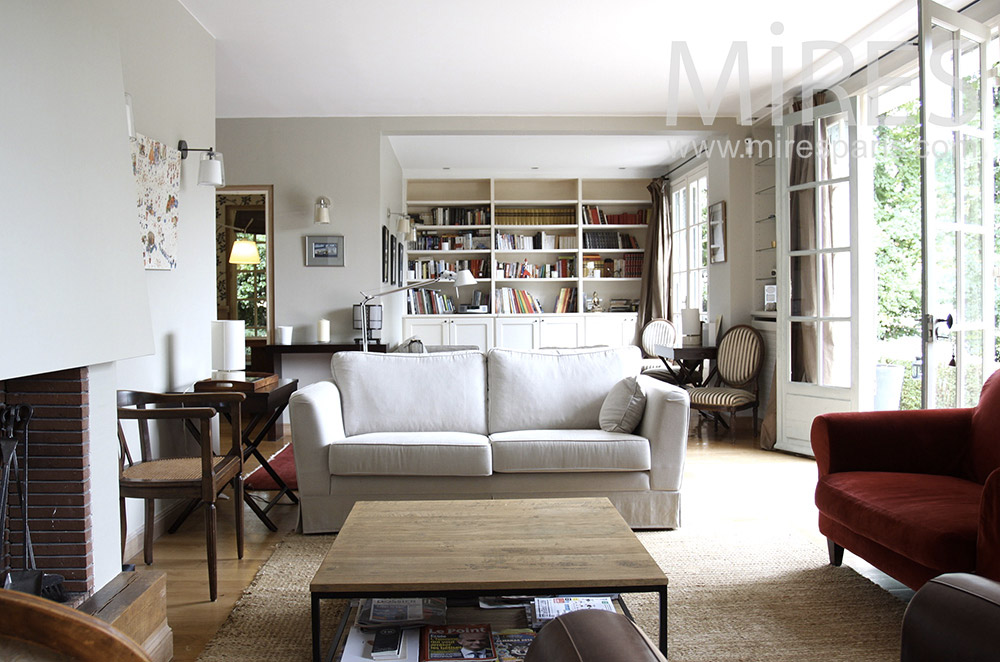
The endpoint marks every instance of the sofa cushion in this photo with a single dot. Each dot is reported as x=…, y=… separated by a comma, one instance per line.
x=554, y=389
x=541, y=451
x=411, y=392
x=623, y=406
x=927, y=518
x=411, y=454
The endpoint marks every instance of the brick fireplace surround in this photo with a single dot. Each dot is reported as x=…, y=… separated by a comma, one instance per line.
x=59, y=499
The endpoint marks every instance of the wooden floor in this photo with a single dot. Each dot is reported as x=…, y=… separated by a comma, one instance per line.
x=722, y=483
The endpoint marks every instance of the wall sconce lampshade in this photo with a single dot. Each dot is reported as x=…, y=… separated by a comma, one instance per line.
x=244, y=252
x=211, y=171
x=322, y=211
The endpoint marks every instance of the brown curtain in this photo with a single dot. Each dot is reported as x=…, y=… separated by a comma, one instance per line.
x=654, y=295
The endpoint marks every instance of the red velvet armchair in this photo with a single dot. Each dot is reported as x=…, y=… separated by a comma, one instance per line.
x=914, y=493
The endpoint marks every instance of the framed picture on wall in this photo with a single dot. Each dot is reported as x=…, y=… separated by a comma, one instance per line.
x=399, y=264
x=392, y=259
x=717, y=232
x=385, y=254
x=325, y=250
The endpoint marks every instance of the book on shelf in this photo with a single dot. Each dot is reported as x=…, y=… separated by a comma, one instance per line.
x=445, y=643
x=594, y=215
x=535, y=216
x=455, y=216
x=512, y=645
x=402, y=612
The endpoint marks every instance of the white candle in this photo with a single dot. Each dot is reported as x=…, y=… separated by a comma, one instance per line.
x=323, y=331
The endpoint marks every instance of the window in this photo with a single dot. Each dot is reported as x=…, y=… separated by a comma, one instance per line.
x=251, y=288
x=689, y=237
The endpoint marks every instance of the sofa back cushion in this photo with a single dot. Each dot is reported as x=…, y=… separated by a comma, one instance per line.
x=985, y=451
x=554, y=389
x=411, y=392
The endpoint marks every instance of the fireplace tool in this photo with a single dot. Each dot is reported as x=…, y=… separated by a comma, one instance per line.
x=14, y=421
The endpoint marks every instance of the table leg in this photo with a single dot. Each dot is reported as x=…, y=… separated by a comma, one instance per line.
x=317, y=653
x=663, y=621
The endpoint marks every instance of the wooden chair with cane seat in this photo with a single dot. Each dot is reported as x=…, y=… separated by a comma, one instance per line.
x=657, y=332
x=737, y=364
x=33, y=628
x=199, y=478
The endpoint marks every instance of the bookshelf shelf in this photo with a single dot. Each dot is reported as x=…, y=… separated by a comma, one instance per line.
x=573, y=205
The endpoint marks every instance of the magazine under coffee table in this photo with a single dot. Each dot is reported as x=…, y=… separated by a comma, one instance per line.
x=465, y=548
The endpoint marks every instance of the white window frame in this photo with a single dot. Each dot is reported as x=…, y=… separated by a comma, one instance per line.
x=689, y=243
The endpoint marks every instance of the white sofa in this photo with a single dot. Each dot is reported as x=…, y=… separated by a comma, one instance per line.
x=499, y=425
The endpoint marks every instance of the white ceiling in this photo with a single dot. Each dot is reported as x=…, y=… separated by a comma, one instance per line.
x=335, y=58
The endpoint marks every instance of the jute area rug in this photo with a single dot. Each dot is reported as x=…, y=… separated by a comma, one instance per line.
x=747, y=593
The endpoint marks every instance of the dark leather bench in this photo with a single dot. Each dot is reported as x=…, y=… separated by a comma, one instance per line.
x=953, y=617
x=592, y=635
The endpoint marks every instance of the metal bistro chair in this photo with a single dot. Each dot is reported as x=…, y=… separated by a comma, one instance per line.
x=739, y=359
x=657, y=332
x=200, y=478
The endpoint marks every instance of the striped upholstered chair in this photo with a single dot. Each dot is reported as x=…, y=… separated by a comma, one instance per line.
x=656, y=332
x=741, y=353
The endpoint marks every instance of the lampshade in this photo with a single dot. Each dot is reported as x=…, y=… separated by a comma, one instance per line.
x=322, y=211
x=229, y=345
x=211, y=171
x=244, y=252
x=374, y=317
x=464, y=277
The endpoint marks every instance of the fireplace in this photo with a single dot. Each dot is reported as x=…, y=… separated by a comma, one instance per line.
x=59, y=496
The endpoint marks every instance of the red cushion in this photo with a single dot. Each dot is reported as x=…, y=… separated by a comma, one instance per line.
x=930, y=519
x=986, y=430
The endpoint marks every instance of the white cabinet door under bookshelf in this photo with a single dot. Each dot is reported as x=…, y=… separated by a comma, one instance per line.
x=431, y=331
x=517, y=332
x=611, y=329
x=472, y=330
x=560, y=331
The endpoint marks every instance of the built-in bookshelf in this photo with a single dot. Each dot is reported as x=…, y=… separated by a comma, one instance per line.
x=538, y=247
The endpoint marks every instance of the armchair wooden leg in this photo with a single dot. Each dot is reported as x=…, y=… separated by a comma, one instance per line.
x=147, y=534
x=756, y=427
x=238, y=508
x=732, y=426
x=210, y=540
x=123, y=519
x=836, y=553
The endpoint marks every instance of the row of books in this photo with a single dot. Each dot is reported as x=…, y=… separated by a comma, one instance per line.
x=437, y=242
x=428, y=302
x=538, y=241
x=564, y=267
x=536, y=216
x=609, y=239
x=453, y=216
x=415, y=629
x=566, y=301
x=513, y=300
x=426, y=269
x=594, y=215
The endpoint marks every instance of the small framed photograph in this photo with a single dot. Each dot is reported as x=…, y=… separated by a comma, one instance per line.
x=717, y=232
x=324, y=250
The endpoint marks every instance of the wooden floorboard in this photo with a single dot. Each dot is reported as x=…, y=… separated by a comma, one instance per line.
x=723, y=483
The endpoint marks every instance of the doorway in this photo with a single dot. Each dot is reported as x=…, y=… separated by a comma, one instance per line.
x=246, y=291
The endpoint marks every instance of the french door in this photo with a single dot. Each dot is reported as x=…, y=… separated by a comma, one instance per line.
x=956, y=207
x=818, y=363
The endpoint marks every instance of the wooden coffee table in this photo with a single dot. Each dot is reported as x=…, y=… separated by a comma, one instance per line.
x=464, y=548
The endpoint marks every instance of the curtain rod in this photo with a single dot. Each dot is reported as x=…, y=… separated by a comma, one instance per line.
x=683, y=163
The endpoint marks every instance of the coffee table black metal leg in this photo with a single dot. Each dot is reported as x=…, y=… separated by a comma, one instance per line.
x=317, y=653
x=663, y=622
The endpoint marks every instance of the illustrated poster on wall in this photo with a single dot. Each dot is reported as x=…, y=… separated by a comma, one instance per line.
x=157, y=170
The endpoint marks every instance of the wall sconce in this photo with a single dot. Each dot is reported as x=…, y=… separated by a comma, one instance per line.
x=405, y=225
x=210, y=171
x=321, y=215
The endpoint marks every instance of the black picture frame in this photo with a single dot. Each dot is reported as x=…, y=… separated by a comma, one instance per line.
x=400, y=264
x=385, y=254
x=392, y=259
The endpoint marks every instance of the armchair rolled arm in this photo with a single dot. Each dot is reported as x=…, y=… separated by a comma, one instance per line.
x=665, y=424
x=988, y=537
x=317, y=421
x=931, y=441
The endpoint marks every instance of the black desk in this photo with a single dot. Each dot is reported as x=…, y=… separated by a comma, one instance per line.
x=690, y=362
x=267, y=358
x=259, y=413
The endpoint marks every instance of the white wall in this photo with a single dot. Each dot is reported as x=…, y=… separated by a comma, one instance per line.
x=76, y=293
x=172, y=82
